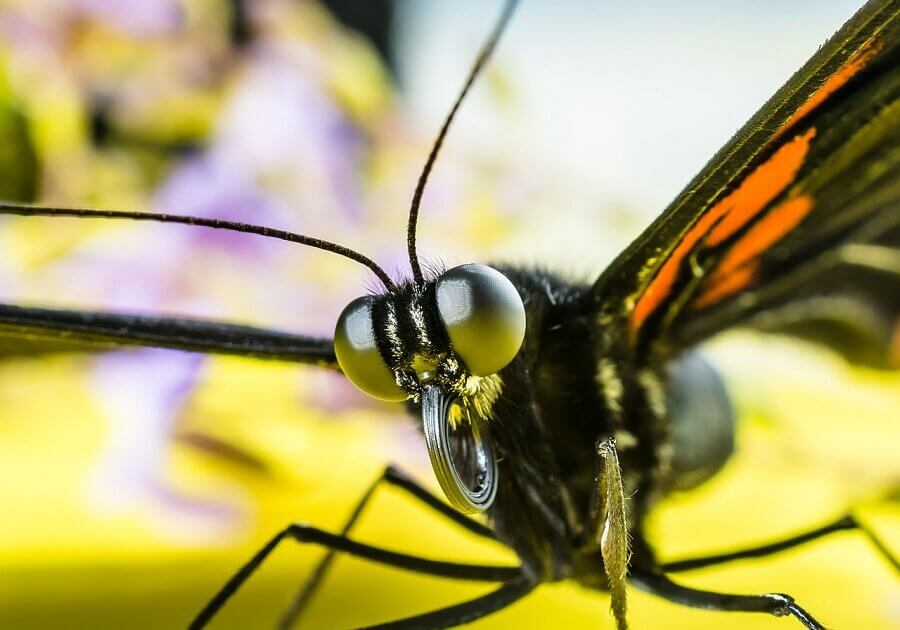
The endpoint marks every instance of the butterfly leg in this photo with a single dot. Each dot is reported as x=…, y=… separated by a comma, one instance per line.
x=467, y=612
x=313, y=535
x=398, y=479
x=611, y=523
x=847, y=522
x=777, y=604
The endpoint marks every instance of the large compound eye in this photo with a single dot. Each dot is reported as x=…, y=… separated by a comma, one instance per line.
x=357, y=352
x=484, y=316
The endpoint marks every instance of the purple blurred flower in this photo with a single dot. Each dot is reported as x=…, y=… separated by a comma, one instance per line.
x=139, y=18
x=283, y=128
x=143, y=393
x=206, y=187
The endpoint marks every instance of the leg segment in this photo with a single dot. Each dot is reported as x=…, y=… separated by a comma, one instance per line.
x=613, y=535
x=775, y=604
x=399, y=480
x=307, y=534
x=844, y=523
x=469, y=611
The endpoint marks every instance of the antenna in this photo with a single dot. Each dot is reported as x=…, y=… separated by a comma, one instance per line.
x=216, y=224
x=482, y=59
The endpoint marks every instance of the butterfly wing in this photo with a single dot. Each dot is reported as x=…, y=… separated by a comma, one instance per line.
x=794, y=226
x=28, y=330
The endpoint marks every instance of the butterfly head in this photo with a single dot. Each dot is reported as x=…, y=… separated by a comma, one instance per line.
x=440, y=343
x=469, y=321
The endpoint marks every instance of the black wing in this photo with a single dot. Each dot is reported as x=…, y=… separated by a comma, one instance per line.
x=794, y=226
x=28, y=329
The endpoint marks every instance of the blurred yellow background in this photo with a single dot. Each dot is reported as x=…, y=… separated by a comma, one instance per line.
x=113, y=517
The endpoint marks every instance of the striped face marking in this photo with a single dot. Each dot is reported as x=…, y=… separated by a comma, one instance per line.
x=726, y=218
x=467, y=324
x=413, y=340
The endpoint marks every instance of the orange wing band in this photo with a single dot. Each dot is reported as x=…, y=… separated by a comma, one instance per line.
x=726, y=217
x=836, y=81
x=738, y=268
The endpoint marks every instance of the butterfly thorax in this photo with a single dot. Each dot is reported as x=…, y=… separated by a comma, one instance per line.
x=544, y=413
x=567, y=390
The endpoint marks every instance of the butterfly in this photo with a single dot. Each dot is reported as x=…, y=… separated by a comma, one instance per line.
x=557, y=409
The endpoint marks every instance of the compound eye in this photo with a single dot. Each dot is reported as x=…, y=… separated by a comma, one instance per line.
x=483, y=315
x=357, y=353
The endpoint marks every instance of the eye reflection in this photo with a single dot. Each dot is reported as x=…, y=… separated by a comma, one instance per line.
x=484, y=316
x=357, y=352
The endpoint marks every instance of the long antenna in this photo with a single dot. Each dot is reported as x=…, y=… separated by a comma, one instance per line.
x=216, y=224
x=482, y=59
